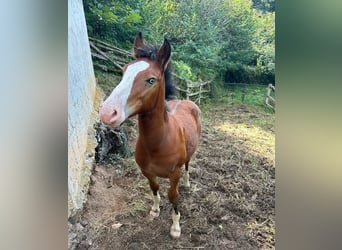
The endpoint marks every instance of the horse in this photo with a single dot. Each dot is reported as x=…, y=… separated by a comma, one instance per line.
x=169, y=129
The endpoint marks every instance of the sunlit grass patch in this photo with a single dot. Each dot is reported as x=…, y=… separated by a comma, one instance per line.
x=259, y=142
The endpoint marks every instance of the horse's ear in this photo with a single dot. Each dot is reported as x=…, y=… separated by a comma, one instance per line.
x=164, y=54
x=138, y=43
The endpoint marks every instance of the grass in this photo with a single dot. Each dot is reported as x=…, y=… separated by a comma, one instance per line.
x=253, y=95
x=107, y=81
x=137, y=206
x=257, y=140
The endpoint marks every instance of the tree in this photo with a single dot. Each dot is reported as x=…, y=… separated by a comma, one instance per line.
x=113, y=21
x=264, y=5
x=209, y=37
x=265, y=42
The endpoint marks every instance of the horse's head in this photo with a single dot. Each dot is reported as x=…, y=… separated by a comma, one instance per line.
x=141, y=85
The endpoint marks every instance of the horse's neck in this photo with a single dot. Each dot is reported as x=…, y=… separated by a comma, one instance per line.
x=154, y=125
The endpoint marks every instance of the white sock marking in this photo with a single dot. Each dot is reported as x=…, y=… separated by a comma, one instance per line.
x=155, y=207
x=186, y=178
x=175, y=228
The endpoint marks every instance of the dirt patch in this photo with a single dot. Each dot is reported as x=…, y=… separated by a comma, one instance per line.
x=230, y=205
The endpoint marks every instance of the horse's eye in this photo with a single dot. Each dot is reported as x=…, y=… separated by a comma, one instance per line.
x=151, y=81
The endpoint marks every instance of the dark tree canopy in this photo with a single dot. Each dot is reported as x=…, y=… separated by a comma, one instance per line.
x=264, y=5
x=210, y=39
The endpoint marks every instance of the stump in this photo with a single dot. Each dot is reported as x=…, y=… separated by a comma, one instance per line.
x=112, y=143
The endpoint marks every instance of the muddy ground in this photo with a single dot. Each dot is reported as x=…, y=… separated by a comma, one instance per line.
x=230, y=205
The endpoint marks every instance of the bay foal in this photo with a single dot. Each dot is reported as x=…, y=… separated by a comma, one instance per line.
x=169, y=131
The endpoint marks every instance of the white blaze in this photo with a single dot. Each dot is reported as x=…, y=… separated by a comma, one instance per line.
x=119, y=96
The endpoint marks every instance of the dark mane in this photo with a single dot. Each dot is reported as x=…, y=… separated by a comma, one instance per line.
x=170, y=87
x=147, y=51
x=151, y=52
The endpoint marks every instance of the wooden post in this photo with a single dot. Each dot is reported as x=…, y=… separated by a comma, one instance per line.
x=200, y=94
x=187, y=90
x=244, y=91
x=268, y=97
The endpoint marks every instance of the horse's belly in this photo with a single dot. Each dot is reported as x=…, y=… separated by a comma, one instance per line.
x=161, y=171
x=161, y=165
x=165, y=166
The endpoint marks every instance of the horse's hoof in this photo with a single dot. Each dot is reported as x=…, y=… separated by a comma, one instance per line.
x=154, y=213
x=175, y=232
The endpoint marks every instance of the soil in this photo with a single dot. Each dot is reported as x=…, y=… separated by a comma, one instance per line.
x=230, y=204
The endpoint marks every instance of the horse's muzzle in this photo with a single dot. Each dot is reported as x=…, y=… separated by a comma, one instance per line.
x=111, y=116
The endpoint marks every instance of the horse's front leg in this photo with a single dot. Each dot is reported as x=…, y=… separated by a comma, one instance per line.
x=175, y=231
x=155, y=210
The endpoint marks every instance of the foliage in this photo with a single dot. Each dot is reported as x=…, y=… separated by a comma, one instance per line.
x=201, y=31
x=113, y=21
x=265, y=42
x=225, y=40
x=264, y=5
x=183, y=70
x=248, y=74
x=239, y=31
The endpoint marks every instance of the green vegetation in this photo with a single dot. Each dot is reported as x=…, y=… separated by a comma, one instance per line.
x=217, y=40
x=253, y=95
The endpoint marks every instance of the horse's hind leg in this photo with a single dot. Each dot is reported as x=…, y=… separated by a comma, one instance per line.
x=156, y=197
x=186, y=175
x=174, y=197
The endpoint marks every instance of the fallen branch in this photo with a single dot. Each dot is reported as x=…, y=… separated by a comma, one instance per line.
x=101, y=66
x=182, y=90
x=104, y=55
x=98, y=56
x=111, y=47
x=198, y=92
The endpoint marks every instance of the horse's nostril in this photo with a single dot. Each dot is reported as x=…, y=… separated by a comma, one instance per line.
x=115, y=112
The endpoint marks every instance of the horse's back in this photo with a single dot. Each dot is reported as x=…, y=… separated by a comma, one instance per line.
x=188, y=116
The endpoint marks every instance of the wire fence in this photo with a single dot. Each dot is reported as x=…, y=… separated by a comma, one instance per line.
x=253, y=94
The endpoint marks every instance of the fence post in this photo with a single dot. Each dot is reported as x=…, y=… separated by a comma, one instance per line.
x=200, y=94
x=187, y=90
x=268, y=97
x=244, y=91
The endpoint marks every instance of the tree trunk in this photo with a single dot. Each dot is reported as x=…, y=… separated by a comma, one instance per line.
x=112, y=143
